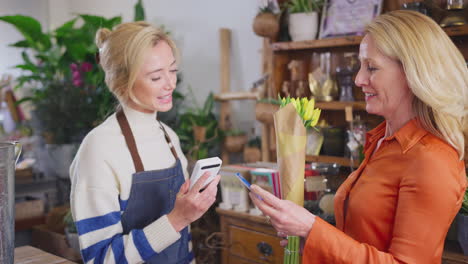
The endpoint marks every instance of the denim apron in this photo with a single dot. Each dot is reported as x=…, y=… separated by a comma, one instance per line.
x=153, y=195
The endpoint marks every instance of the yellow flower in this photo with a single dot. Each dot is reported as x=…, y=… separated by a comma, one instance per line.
x=309, y=111
x=312, y=102
x=315, y=117
x=304, y=102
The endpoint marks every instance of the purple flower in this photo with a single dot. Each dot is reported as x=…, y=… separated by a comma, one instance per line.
x=77, y=78
x=74, y=67
x=86, y=67
x=77, y=82
x=76, y=75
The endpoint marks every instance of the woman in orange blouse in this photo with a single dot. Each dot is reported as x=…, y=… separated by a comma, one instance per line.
x=398, y=205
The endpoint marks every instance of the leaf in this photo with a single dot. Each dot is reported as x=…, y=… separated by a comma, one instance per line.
x=112, y=22
x=21, y=44
x=139, y=11
x=77, y=50
x=30, y=28
x=24, y=99
x=26, y=59
x=208, y=105
x=92, y=23
x=65, y=28
x=27, y=67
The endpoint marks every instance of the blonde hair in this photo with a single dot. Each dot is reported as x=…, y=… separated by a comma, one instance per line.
x=122, y=52
x=435, y=70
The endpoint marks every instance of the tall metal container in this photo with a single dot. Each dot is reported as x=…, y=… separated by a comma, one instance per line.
x=7, y=202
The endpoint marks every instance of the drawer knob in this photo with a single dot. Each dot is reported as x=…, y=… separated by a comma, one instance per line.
x=265, y=249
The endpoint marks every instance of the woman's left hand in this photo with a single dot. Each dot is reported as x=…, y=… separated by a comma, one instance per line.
x=288, y=218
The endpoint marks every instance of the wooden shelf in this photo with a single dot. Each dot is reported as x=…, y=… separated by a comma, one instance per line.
x=336, y=105
x=347, y=41
x=457, y=31
x=319, y=43
x=331, y=159
x=28, y=223
x=236, y=96
x=265, y=114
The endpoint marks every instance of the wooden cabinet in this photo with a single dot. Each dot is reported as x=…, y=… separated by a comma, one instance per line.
x=248, y=239
x=453, y=254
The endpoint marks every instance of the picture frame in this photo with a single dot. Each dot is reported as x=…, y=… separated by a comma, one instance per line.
x=347, y=17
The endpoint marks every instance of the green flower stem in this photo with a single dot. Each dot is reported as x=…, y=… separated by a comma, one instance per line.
x=291, y=252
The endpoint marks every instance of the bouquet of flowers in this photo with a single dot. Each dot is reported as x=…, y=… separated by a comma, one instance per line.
x=291, y=121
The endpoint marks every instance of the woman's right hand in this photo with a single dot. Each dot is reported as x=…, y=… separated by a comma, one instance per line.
x=192, y=204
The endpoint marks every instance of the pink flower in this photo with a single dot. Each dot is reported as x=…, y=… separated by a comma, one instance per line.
x=86, y=67
x=77, y=82
x=74, y=67
x=77, y=78
x=76, y=75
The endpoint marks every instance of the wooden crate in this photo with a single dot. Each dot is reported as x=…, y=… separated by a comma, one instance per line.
x=29, y=208
x=53, y=242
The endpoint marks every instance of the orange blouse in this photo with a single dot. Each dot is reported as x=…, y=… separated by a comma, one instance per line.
x=397, y=206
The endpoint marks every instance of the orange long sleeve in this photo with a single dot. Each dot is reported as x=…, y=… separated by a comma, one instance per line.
x=397, y=207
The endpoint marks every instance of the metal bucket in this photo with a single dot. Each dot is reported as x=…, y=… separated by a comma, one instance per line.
x=9, y=153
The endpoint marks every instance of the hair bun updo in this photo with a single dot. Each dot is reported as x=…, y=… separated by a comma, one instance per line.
x=101, y=36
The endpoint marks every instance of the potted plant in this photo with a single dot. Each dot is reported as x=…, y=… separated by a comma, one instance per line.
x=265, y=108
x=462, y=224
x=65, y=84
x=266, y=22
x=198, y=130
x=303, y=18
x=234, y=140
x=70, y=232
x=252, y=152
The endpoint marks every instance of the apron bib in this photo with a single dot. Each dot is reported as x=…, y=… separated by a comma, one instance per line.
x=152, y=195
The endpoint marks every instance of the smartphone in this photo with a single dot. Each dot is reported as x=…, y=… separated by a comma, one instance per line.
x=212, y=165
x=246, y=183
x=243, y=181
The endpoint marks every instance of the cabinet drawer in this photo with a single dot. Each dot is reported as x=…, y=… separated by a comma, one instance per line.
x=256, y=246
x=233, y=259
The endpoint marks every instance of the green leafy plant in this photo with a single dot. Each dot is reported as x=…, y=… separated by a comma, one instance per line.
x=304, y=6
x=464, y=208
x=198, y=116
x=69, y=223
x=255, y=142
x=268, y=8
x=59, y=67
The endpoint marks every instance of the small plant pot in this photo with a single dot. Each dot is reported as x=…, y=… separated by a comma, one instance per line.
x=462, y=226
x=72, y=240
x=266, y=25
x=264, y=112
x=252, y=154
x=333, y=141
x=235, y=143
x=303, y=26
x=199, y=133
